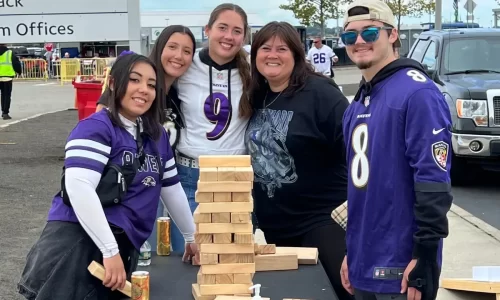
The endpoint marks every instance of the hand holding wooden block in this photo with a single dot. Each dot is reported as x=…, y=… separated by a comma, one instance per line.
x=98, y=271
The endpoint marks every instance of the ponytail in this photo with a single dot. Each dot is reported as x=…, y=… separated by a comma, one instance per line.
x=245, y=108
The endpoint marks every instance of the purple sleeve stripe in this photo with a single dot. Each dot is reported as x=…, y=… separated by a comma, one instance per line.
x=170, y=162
x=89, y=149
x=85, y=155
x=170, y=174
x=170, y=181
x=100, y=146
x=171, y=168
x=79, y=163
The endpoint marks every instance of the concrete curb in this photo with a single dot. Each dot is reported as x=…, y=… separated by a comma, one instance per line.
x=32, y=117
x=478, y=223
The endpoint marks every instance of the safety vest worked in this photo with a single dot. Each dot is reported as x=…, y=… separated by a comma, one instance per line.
x=6, y=68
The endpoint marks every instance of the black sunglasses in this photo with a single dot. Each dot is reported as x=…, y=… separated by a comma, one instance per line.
x=369, y=35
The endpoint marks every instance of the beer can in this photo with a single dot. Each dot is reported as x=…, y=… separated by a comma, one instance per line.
x=140, y=285
x=163, y=236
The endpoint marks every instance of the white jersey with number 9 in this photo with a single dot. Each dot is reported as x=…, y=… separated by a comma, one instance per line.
x=212, y=123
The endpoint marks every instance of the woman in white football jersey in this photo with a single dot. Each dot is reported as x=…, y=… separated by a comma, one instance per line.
x=215, y=106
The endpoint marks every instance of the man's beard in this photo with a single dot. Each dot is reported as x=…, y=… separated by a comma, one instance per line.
x=364, y=65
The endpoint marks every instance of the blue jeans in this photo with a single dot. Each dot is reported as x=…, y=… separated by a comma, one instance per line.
x=189, y=181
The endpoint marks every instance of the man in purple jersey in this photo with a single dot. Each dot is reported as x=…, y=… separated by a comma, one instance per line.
x=397, y=134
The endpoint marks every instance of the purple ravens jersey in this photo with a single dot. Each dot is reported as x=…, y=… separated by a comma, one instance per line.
x=396, y=137
x=95, y=141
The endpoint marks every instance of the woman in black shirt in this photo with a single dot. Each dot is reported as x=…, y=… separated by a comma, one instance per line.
x=297, y=148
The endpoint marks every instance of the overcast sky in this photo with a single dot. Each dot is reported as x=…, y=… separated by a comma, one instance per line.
x=269, y=9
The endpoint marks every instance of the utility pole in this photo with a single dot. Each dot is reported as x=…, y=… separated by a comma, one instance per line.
x=439, y=15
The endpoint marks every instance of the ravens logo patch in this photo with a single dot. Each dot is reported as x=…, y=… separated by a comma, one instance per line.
x=440, y=151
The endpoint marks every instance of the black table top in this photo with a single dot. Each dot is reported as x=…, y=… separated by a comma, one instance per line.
x=171, y=279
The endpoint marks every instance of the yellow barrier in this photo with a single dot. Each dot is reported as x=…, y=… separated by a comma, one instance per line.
x=33, y=69
x=69, y=68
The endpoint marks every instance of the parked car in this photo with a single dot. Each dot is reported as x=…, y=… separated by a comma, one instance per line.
x=465, y=66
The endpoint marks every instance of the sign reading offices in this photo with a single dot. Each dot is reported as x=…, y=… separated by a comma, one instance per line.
x=37, y=21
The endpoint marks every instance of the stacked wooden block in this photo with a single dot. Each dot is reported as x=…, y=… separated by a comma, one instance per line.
x=224, y=227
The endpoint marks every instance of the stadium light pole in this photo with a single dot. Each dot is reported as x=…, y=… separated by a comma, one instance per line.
x=439, y=15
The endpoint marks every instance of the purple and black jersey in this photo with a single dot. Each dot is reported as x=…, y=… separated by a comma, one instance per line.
x=91, y=145
x=398, y=144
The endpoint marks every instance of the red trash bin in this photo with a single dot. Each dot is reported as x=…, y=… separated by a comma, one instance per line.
x=87, y=95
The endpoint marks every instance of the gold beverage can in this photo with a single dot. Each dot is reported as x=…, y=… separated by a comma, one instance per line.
x=163, y=236
x=140, y=285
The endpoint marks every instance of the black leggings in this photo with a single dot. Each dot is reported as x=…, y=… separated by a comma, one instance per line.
x=330, y=241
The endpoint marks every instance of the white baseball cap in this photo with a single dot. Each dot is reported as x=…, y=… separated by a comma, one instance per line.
x=378, y=10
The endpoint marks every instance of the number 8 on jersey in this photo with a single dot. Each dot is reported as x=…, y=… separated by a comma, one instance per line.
x=360, y=166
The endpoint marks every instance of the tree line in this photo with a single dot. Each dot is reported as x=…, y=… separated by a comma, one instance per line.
x=310, y=12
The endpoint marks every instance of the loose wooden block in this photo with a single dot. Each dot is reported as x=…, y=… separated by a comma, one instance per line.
x=97, y=270
x=306, y=256
x=203, y=238
x=204, y=197
x=243, y=174
x=215, y=161
x=242, y=197
x=223, y=238
x=236, y=258
x=220, y=218
x=266, y=249
x=205, y=279
x=224, y=279
x=227, y=249
x=195, y=289
x=228, y=269
x=224, y=186
x=240, y=218
x=243, y=238
x=226, y=174
x=201, y=218
x=470, y=285
x=223, y=289
x=243, y=278
x=208, y=174
x=224, y=228
x=209, y=258
x=276, y=262
x=222, y=197
x=222, y=207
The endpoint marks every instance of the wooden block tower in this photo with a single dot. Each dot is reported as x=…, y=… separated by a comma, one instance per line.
x=224, y=227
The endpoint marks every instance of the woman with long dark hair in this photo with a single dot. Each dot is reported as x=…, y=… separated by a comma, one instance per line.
x=127, y=140
x=297, y=148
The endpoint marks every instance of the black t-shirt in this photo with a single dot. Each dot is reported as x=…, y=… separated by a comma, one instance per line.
x=298, y=156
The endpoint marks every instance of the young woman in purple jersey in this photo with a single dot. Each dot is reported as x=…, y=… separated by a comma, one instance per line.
x=84, y=231
x=173, y=54
x=297, y=147
x=214, y=102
